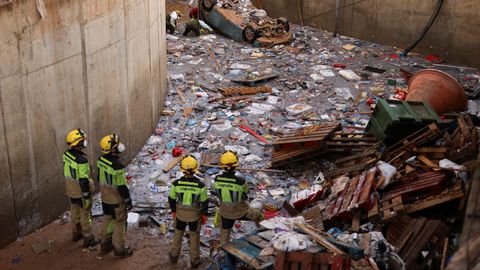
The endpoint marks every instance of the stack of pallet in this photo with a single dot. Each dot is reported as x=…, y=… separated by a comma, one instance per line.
x=303, y=144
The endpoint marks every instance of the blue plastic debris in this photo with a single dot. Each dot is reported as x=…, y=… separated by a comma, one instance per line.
x=171, y=145
x=191, y=122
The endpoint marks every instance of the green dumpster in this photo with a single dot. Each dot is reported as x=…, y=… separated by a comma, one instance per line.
x=393, y=120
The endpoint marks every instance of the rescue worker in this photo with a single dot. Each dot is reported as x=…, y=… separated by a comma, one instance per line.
x=171, y=21
x=189, y=205
x=232, y=192
x=79, y=187
x=197, y=26
x=115, y=197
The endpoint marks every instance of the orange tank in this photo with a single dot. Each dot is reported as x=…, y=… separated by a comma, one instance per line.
x=440, y=90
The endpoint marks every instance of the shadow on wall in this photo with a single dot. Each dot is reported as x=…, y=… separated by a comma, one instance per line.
x=98, y=65
x=454, y=36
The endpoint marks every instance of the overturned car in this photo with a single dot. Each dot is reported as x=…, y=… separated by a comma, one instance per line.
x=241, y=21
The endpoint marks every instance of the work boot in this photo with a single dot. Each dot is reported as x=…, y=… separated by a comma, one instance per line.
x=173, y=259
x=77, y=234
x=106, y=247
x=126, y=252
x=195, y=263
x=90, y=241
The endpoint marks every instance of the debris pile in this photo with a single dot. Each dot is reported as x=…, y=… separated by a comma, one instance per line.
x=298, y=117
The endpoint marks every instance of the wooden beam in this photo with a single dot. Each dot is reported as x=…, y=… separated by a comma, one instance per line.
x=319, y=239
x=171, y=164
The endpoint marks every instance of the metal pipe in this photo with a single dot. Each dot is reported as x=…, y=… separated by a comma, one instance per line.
x=337, y=15
x=300, y=16
x=425, y=29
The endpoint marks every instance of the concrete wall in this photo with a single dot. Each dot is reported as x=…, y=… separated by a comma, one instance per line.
x=95, y=64
x=455, y=35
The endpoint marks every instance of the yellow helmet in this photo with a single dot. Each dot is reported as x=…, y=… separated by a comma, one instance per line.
x=111, y=142
x=76, y=137
x=188, y=164
x=229, y=159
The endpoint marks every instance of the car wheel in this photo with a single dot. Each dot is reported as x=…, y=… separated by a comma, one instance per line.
x=208, y=4
x=249, y=34
x=284, y=21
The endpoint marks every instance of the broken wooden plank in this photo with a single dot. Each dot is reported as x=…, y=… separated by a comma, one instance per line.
x=230, y=91
x=180, y=94
x=319, y=239
x=256, y=80
x=171, y=164
x=367, y=187
x=248, y=253
x=439, y=149
x=428, y=162
x=358, y=191
x=212, y=56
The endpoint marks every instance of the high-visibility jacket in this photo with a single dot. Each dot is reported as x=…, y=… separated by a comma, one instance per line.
x=232, y=192
x=112, y=179
x=77, y=174
x=188, y=198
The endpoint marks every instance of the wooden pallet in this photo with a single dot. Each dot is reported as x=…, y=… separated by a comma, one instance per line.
x=392, y=207
x=312, y=136
x=399, y=152
x=230, y=91
x=430, y=181
x=345, y=142
x=449, y=194
x=285, y=157
x=371, y=154
x=419, y=235
x=307, y=261
x=355, y=195
x=314, y=217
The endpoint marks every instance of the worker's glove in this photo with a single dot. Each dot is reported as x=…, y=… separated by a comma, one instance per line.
x=174, y=215
x=128, y=204
x=86, y=202
x=204, y=219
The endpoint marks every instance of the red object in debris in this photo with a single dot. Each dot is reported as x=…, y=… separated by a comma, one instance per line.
x=303, y=198
x=177, y=151
x=129, y=178
x=193, y=13
x=371, y=101
x=401, y=95
x=443, y=93
x=269, y=214
x=339, y=65
x=393, y=56
x=434, y=59
x=249, y=130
